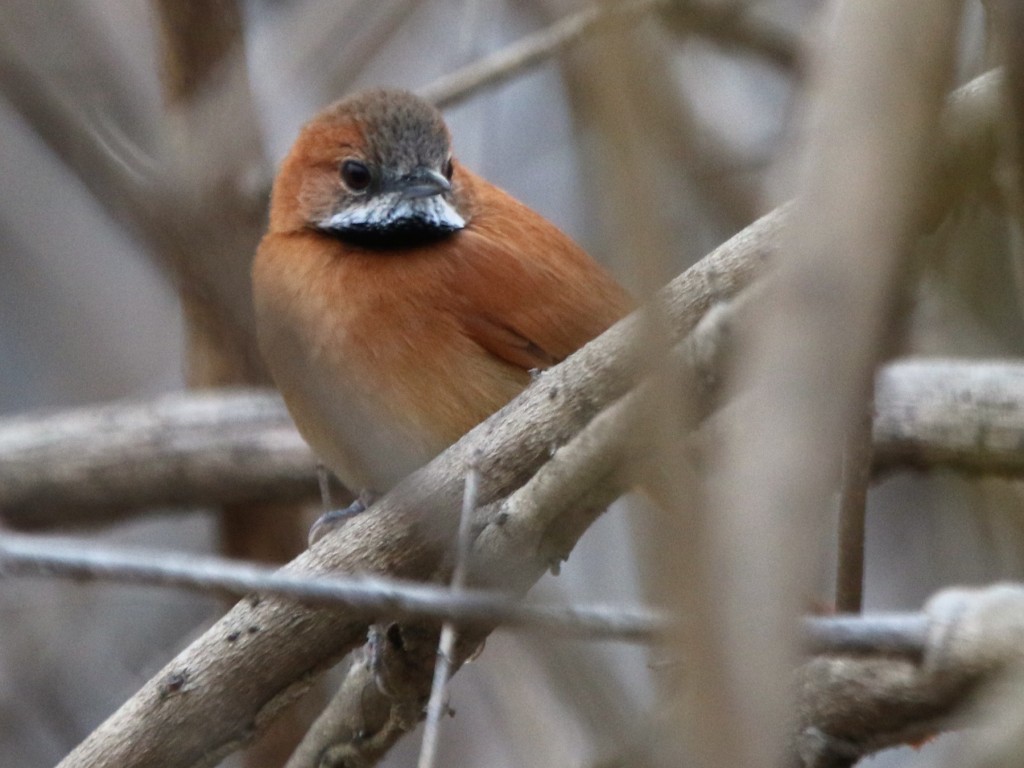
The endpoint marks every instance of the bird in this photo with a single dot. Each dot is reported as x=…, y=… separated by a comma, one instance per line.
x=400, y=299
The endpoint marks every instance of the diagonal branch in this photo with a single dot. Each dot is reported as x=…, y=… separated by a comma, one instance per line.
x=243, y=685
x=724, y=26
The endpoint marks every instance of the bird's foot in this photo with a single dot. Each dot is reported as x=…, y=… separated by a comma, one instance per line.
x=336, y=518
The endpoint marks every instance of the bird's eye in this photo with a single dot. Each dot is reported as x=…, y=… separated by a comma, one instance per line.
x=448, y=169
x=356, y=175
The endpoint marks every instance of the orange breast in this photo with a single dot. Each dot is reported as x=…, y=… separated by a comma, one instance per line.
x=368, y=351
x=387, y=357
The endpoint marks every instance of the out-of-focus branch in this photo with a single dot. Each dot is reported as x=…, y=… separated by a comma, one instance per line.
x=851, y=705
x=732, y=26
x=722, y=25
x=198, y=449
x=872, y=125
x=202, y=53
x=174, y=201
x=529, y=51
x=207, y=449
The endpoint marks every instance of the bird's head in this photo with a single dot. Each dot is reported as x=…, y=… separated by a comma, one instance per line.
x=375, y=169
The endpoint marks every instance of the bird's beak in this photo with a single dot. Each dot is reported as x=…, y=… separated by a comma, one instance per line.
x=423, y=182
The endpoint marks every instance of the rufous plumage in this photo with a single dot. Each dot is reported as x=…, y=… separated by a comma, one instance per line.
x=400, y=298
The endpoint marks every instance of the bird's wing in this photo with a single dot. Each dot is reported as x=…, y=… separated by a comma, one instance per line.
x=531, y=296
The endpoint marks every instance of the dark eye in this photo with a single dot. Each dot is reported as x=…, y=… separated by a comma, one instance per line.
x=356, y=175
x=448, y=169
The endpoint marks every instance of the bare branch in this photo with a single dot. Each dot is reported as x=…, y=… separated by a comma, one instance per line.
x=853, y=509
x=725, y=26
x=809, y=353
x=200, y=449
x=733, y=27
x=390, y=599
x=437, y=704
x=373, y=598
x=405, y=536
x=851, y=705
x=533, y=49
x=962, y=414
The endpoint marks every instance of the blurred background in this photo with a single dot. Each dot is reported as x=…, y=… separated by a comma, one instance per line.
x=135, y=178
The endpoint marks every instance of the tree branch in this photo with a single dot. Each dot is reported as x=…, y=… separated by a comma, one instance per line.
x=872, y=124
x=242, y=688
x=406, y=535
x=878, y=680
x=206, y=449
x=851, y=705
x=198, y=449
x=373, y=598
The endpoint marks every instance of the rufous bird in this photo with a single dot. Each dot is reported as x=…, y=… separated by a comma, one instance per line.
x=400, y=298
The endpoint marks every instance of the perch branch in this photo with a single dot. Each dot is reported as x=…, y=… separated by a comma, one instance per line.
x=112, y=480
x=243, y=685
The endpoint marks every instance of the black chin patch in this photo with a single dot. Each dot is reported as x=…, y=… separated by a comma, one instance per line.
x=406, y=234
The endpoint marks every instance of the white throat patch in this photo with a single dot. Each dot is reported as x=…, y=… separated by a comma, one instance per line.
x=393, y=211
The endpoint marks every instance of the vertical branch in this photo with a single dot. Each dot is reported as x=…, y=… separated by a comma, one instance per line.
x=437, y=705
x=202, y=53
x=646, y=143
x=809, y=352
x=1006, y=25
x=853, y=503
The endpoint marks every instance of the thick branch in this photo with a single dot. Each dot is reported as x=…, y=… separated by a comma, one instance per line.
x=207, y=449
x=872, y=125
x=200, y=449
x=244, y=684
x=962, y=414
x=852, y=705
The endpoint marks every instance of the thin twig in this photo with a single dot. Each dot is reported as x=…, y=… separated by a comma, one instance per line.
x=82, y=560
x=437, y=705
x=725, y=27
x=28, y=555
x=533, y=49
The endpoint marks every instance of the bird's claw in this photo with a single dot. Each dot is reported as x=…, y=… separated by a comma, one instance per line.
x=334, y=518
